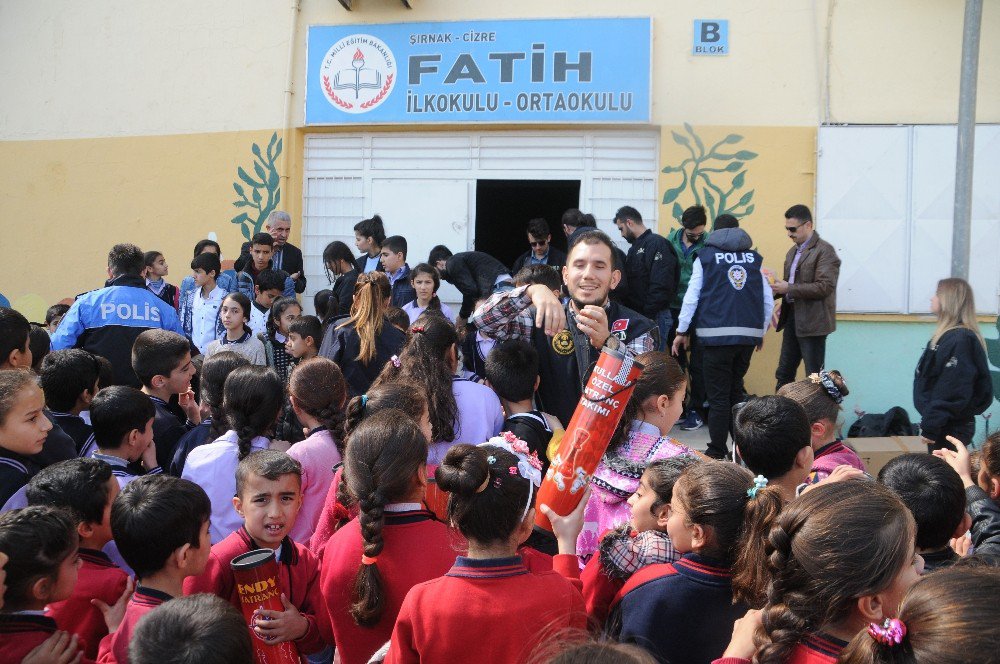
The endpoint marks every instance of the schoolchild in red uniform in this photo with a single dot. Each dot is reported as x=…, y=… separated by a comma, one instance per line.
x=41, y=548
x=489, y=607
x=372, y=562
x=268, y=497
x=86, y=489
x=160, y=524
x=840, y=557
x=339, y=507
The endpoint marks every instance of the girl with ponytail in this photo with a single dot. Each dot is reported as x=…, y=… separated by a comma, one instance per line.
x=252, y=400
x=820, y=395
x=838, y=557
x=363, y=343
x=317, y=394
x=461, y=411
x=372, y=562
x=719, y=515
x=642, y=437
x=493, y=488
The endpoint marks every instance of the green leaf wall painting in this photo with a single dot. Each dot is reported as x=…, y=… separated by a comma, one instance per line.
x=260, y=195
x=712, y=177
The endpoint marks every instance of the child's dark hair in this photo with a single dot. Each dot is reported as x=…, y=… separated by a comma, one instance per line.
x=12, y=381
x=153, y=516
x=65, y=375
x=487, y=501
x=158, y=352
x=948, y=617
x=373, y=228
x=199, y=628
x=55, y=311
x=335, y=252
x=213, y=375
x=252, y=399
x=371, y=299
x=244, y=302
x=431, y=271
x=397, y=318
x=318, y=387
x=662, y=476
x=269, y=464
x=126, y=259
x=14, y=330
x=422, y=361
x=116, y=411
x=307, y=326
x=399, y=394
x=818, y=403
x=321, y=303
x=989, y=457
x=571, y=646
x=932, y=491
x=262, y=239
x=208, y=262
x=386, y=452
x=546, y=275
x=105, y=372
x=40, y=344
x=660, y=375
x=769, y=432
x=830, y=546
x=396, y=244
x=79, y=486
x=150, y=257
x=278, y=308
x=512, y=369
x=199, y=247
x=268, y=279
x=36, y=540
x=716, y=495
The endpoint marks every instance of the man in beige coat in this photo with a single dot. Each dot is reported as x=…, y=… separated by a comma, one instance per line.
x=809, y=292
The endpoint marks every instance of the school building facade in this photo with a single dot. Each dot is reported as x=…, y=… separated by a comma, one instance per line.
x=161, y=124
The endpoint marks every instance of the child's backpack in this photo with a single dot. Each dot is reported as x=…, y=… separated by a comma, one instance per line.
x=893, y=422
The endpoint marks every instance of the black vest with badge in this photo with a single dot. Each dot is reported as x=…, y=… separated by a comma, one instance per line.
x=731, y=304
x=565, y=360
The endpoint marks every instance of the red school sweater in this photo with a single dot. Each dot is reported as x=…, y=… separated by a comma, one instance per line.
x=20, y=633
x=814, y=649
x=509, y=610
x=417, y=548
x=298, y=573
x=99, y=578
x=114, y=646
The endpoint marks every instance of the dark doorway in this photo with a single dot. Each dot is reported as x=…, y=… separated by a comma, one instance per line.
x=504, y=207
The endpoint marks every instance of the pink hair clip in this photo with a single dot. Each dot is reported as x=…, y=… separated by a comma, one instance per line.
x=395, y=361
x=513, y=470
x=890, y=633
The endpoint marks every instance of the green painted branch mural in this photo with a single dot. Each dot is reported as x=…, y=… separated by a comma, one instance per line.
x=265, y=192
x=993, y=352
x=703, y=176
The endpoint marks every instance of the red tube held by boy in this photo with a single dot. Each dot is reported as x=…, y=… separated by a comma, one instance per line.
x=256, y=575
x=609, y=387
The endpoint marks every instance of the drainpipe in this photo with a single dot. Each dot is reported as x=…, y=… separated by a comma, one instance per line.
x=286, y=131
x=962, y=225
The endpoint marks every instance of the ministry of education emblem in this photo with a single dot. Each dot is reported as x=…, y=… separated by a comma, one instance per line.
x=358, y=73
x=562, y=343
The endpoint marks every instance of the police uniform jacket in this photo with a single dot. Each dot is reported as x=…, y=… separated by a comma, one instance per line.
x=653, y=273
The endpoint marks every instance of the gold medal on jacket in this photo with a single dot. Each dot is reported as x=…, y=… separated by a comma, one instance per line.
x=562, y=343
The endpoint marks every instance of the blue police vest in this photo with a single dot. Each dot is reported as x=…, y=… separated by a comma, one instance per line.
x=731, y=305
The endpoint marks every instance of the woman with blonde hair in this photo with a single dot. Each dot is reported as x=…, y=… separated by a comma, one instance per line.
x=952, y=383
x=365, y=341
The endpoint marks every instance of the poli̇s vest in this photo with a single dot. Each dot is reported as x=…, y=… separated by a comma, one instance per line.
x=564, y=361
x=731, y=306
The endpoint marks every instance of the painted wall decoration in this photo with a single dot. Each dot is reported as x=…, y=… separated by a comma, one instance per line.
x=554, y=70
x=714, y=177
x=264, y=189
x=993, y=352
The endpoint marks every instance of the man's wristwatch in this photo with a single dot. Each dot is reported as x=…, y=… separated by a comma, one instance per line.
x=681, y=334
x=613, y=343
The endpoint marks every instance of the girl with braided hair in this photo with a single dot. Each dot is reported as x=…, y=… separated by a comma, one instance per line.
x=513, y=609
x=839, y=557
x=372, y=562
x=252, y=398
x=820, y=395
x=317, y=394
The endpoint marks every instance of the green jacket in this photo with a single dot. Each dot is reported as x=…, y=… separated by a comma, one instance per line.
x=685, y=260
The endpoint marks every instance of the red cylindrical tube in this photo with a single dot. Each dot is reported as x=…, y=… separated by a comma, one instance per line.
x=256, y=574
x=608, y=389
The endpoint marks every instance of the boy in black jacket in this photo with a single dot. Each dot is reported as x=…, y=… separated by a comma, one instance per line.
x=475, y=274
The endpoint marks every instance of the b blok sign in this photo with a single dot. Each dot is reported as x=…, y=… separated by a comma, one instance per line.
x=531, y=71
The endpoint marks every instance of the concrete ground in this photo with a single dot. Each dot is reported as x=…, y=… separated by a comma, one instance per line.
x=696, y=440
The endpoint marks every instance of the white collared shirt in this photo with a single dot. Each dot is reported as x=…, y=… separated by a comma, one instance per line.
x=204, y=316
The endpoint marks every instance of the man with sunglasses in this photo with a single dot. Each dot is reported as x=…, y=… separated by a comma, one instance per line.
x=542, y=252
x=809, y=292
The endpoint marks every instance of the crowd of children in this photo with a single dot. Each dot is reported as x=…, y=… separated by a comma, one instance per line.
x=391, y=459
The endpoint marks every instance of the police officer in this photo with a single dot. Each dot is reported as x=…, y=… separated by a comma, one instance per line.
x=569, y=337
x=731, y=302
x=107, y=321
x=652, y=269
